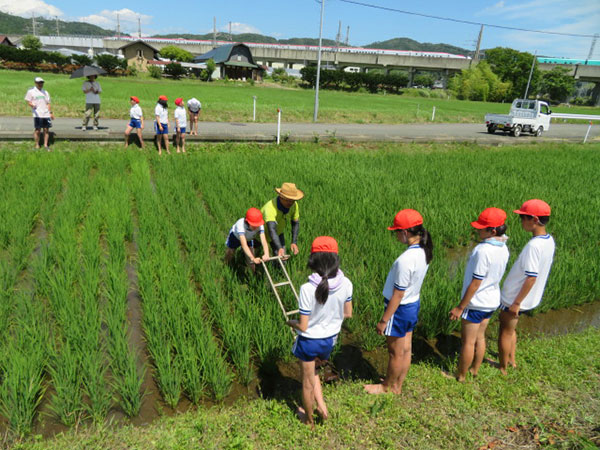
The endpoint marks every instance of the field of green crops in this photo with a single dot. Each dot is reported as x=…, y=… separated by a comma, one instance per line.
x=89, y=234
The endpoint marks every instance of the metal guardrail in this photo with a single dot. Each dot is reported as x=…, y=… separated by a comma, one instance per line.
x=574, y=116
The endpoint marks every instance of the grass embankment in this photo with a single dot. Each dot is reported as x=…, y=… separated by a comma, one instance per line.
x=553, y=400
x=232, y=101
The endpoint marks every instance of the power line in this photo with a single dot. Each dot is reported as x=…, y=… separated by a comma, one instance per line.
x=429, y=16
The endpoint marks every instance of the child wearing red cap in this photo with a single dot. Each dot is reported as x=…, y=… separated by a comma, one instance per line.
x=524, y=286
x=161, y=124
x=242, y=234
x=136, y=120
x=401, y=295
x=180, y=125
x=481, y=289
x=324, y=302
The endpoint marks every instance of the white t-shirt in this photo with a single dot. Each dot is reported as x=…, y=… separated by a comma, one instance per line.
x=325, y=320
x=241, y=228
x=40, y=99
x=162, y=113
x=91, y=97
x=535, y=260
x=135, y=112
x=180, y=116
x=194, y=105
x=486, y=263
x=407, y=274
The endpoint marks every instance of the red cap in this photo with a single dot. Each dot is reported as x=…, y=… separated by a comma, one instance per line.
x=324, y=244
x=178, y=101
x=163, y=97
x=535, y=207
x=134, y=98
x=489, y=217
x=407, y=218
x=254, y=217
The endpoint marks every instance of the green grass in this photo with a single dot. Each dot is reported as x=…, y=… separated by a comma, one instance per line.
x=232, y=101
x=551, y=401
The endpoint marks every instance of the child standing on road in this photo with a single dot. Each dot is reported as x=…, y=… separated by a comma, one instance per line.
x=161, y=124
x=242, y=234
x=481, y=289
x=402, y=298
x=194, y=107
x=136, y=121
x=180, y=125
x=324, y=302
x=524, y=286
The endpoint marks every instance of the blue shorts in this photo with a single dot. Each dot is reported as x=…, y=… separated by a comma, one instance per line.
x=233, y=242
x=404, y=320
x=506, y=308
x=41, y=122
x=181, y=130
x=135, y=123
x=475, y=316
x=165, y=129
x=307, y=349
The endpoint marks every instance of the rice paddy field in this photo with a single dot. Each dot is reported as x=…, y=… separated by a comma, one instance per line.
x=112, y=272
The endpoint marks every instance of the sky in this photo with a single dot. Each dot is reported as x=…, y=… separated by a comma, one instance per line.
x=300, y=18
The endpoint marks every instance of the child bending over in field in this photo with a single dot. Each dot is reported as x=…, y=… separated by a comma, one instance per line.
x=524, y=286
x=324, y=302
x=180, y=125
x=136, y=121
x=242, y=234
x=401, y=295
x=481, y=289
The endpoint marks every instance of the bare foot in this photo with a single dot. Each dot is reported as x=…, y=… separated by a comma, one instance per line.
x=492, y=363
x=512, y=364
x=178, y=151
x=452, y=377
x=323, y=414
x=473, y=372
x=503, y=370
x=301, y=414
x=375, y=388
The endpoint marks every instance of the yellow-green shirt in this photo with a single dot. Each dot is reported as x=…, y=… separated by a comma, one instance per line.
x=271, y=213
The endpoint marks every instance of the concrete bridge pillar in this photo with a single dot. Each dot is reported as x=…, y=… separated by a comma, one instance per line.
x=596, y=94
x=363, y=70
x=411, y=76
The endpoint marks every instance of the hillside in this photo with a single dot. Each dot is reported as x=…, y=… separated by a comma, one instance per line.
x=410, y=44
x=248, y=37
x=15, y=25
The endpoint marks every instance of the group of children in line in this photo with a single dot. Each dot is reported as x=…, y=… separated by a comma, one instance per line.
x=161, y=123
x=326, y=299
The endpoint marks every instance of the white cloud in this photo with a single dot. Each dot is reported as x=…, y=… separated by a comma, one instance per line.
x=237, y=28
x=128, y=19
x=25, y=8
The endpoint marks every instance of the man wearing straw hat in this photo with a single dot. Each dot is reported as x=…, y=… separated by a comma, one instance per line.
x=276, y=213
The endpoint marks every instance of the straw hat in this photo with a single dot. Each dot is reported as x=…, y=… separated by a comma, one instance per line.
x=290, y=191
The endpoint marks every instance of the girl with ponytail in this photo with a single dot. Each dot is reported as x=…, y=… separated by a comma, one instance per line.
x=402, y=298
x=324, y=302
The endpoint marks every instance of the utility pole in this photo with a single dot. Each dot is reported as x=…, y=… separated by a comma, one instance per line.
x=347, y=34
x=214, y=32
x=230, y=37
x=591, y=53
x=530, y=73
x=139, y=28
x=475, y=58
x=316, y=111
x=57, y=26
x=118, y=27
x=338, y=37
x=33, y=24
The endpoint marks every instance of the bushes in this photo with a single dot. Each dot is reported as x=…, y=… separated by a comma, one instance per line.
x=155, y=72
x=479, y=83
x=175, y=70
x=111, y=63
x=353, y=81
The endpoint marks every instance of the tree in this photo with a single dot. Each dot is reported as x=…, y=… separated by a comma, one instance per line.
x=31, y=42
x=424, y=80
x=175, y=70
x=211, y=66
x=479, y=83
x=175, y=53
x=557, y=84
x=111, y=63
x=513, y=66
x=82, y=60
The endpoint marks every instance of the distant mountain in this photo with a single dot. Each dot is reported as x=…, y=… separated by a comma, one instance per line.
x=15, y=25
x=247, y=37
x=409, y=44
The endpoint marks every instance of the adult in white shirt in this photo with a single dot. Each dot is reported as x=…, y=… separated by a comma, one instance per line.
x=39, y=101
x=91, y=88
x=324, y=302
x=524, y=285
x=480, y=295
x=194, y=107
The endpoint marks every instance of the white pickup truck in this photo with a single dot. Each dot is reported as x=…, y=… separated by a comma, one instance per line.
x=532, y=116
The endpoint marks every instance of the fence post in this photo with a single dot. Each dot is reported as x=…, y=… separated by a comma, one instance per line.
x=254, y=108
x=433, y=114
x=278, y=124
x=587, y=132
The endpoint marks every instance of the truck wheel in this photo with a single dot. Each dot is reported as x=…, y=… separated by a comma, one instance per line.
x=516, y=132
x=539, y=131
x=492, y=129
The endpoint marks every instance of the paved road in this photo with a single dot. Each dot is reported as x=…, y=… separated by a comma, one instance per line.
x=20, y=128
